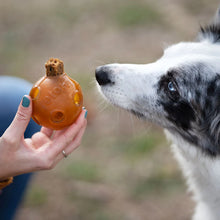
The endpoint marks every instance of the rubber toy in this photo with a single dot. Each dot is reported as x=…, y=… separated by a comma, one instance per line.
x=57, y=99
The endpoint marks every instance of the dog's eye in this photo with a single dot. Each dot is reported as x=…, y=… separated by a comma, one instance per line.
x=173, y=92
x=171, y=87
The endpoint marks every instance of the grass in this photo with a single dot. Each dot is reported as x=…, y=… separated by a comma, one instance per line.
x=66, y=13
x=159, y=183
x=94, y=212
x=135, y=14
x=196, y=6
x=13, y=53
x=36, y=197
x=92, y=209
x=82, y=170
x=140, y=146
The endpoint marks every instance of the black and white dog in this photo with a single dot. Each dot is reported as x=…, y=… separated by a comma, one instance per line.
x=180, y=92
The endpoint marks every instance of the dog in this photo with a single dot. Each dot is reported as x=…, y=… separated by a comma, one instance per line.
x=181, y=93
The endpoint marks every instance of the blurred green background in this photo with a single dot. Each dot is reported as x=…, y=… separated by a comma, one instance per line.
x=124, y=169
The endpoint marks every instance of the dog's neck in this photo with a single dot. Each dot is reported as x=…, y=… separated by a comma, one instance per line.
x=203, y=177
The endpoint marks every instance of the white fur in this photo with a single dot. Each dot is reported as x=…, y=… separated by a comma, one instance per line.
x=203, y=178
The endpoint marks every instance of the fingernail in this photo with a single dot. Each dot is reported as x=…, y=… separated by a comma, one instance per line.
x=25, y=102
x=86, y=114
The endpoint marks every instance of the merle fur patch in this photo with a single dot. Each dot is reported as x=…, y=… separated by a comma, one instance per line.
x=180, y=113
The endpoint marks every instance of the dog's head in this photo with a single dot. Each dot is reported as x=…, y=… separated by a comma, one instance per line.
x=180, y=91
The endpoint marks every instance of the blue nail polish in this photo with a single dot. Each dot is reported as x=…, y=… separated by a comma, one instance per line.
x=86, y=114
x=25, y=102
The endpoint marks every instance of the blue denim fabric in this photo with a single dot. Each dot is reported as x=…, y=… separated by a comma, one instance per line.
x=12, y=90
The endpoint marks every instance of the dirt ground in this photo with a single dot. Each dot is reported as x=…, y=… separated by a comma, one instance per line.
x=124, y=169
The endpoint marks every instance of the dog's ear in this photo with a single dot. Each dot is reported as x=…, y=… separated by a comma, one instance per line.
x=211, y=32
x=216, y=20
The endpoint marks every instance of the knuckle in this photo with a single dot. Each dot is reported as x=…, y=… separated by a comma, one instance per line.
x=21, y=116
x=10, y=141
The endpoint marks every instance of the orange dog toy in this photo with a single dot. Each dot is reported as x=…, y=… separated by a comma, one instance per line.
x=57, y=99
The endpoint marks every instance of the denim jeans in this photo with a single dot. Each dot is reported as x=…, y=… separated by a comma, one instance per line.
x=12, y=90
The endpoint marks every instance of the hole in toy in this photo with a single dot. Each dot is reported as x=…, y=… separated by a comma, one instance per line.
x=77, y=99
x=57, y=116
x=35, y=93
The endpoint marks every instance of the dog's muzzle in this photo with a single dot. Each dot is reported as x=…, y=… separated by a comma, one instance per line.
x=102, y=76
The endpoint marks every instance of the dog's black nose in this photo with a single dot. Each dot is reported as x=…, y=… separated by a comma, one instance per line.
x=102, y=76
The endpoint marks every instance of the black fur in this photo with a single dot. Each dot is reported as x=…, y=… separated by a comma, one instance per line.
x=180, y=113
x=212, y=86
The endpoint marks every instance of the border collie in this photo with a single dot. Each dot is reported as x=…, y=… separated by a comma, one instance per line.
x=181, y=93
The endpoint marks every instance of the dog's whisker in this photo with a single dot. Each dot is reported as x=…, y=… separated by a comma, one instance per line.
x=93, y=82
x=102, y=106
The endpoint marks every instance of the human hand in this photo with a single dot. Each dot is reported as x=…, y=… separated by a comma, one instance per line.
x=40, y=152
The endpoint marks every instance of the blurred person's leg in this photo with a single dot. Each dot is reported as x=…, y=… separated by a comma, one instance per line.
x=12, y=90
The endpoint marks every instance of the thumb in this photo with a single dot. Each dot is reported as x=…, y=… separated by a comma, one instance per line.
x=21, y=119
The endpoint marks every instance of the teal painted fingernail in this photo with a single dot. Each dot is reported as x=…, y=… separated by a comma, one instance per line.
x=86, y=114
x=25, y=102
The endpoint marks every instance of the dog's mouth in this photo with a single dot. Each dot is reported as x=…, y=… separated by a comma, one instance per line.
x=118, y=98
